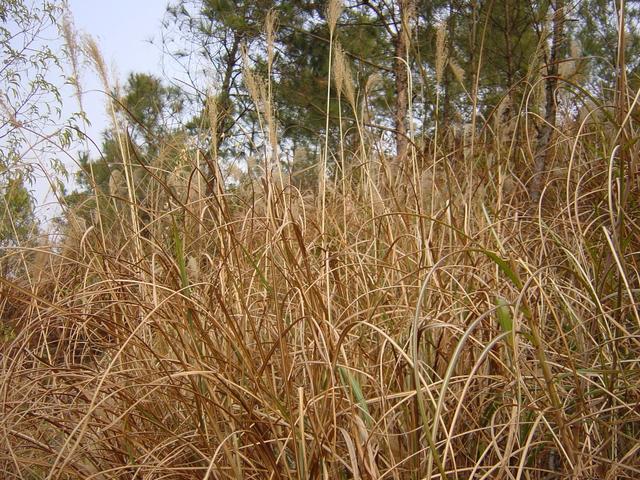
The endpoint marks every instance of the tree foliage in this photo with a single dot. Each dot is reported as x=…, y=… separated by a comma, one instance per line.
x=472, y=61
x=30, y=104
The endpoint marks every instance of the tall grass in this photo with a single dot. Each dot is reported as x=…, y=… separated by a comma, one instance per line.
x=255, y=332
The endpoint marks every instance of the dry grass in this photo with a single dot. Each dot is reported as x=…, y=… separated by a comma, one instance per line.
x=418, y=327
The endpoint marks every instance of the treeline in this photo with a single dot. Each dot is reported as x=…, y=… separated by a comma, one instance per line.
x=336, y=82
x=413, y=73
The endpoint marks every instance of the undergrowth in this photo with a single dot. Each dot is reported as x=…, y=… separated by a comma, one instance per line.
x=401, y=319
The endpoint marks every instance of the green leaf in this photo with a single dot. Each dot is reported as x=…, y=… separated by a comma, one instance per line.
x=505, y=267
x=503, y=315
x=354, y=385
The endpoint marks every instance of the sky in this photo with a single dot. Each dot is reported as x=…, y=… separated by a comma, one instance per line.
x=124, y=31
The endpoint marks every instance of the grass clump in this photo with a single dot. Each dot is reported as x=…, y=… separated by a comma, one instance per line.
x=430, y=324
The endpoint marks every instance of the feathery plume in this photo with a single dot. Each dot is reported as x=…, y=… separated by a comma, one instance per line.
x=334, y=10
x=271, y=26
x=342, y=75
x=8, y=114
x=193, y=269
x=73, y=52
x=212, y=112
x=457, y=70
x=92, y=51
x=255, y=85
x=117, y=184
x=441, y=51
x=408, y=13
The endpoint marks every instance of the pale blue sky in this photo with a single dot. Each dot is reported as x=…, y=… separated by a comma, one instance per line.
x=124, y=30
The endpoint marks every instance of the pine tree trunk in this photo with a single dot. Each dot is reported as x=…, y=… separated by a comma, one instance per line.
x=224, y=122
x=402, y=86
x=545, y=134
x=447, y=80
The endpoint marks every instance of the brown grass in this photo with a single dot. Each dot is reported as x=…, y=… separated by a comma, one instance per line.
x=254, y=332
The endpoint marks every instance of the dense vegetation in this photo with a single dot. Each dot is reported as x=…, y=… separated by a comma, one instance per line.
x=392, y=240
